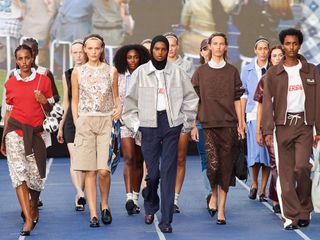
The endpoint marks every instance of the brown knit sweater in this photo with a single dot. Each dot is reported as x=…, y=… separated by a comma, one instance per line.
x=33, y=143
x=217, y=89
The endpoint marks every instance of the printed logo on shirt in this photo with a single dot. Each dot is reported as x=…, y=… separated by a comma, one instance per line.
x=297, y=87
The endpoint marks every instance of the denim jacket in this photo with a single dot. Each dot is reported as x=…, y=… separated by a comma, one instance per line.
x=140, y=104
x=250, y=81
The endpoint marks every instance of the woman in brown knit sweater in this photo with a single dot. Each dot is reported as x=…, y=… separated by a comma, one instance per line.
x=219, y=88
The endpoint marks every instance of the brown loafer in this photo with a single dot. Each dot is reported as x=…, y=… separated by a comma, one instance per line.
x=148, y=219
x=253, y=193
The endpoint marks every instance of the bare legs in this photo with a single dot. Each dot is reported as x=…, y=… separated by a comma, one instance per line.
x=132, y=173
x=28, y=207
x=91, y=190
x=264, y=178
x=104, y=182
x=34, y=204
x=222, y=201
x=23, y=197
x=181, y=170
x=77, y=177
x=133, y=168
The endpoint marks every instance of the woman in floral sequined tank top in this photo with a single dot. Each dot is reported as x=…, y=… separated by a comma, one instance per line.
x=95, y=103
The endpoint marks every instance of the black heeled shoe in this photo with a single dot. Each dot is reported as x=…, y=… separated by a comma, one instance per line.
x=80, y=204
x=24, y=233
x=79, y=208
x=81, y=201
x=208, y=199
x=94, y=222
x=262, y=198
x=212, y=211
x=221, y=222
x=34, y=222
x=106, y=216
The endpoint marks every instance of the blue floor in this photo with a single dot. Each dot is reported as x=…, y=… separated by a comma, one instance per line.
x=246, y=219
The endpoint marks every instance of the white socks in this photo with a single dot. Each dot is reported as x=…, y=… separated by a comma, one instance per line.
x=176, y=198
x=135, y=199
x=129, y=196
x=133, y=196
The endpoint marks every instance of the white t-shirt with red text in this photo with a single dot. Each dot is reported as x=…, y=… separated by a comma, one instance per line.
x=296, y=96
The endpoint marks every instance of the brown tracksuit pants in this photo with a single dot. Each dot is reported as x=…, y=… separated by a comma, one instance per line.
x=293, y=146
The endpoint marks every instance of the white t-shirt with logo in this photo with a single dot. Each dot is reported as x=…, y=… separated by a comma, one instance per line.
x=161, y=103
x=296, y=96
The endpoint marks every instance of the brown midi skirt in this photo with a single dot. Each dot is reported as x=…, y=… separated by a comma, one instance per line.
x=222, y=149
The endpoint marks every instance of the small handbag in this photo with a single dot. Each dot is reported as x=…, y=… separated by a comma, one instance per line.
x=241, y=165
x=50, y=123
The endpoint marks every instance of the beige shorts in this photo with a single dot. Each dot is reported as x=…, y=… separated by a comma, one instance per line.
x=22, y=168
x=92, y=139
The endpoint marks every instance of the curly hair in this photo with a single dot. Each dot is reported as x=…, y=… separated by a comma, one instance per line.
x=290, y=32
x=120, y=58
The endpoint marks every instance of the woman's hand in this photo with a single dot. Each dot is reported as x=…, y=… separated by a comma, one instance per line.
x=40, y=98
x=259, y=139
x=316, y=140
x=117, y=113
x=195, y=134
x=241, y=131
x=268, y=140
x=60, y=136
x=244, y=125
x=3, y=149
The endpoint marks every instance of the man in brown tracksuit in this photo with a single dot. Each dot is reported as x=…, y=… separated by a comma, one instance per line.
x=289, y=113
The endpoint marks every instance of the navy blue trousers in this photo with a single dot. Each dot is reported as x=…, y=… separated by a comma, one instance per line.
x=160, y=142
